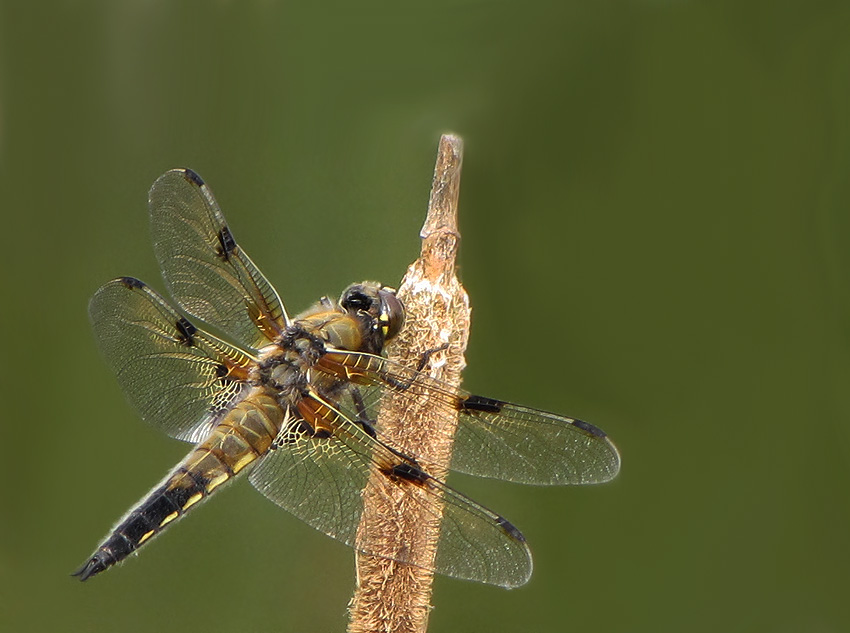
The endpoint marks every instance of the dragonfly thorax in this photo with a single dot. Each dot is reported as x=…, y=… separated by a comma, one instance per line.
x=284, y=369
x=366, y=316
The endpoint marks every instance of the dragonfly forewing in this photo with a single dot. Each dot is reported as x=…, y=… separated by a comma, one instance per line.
x=206, y=271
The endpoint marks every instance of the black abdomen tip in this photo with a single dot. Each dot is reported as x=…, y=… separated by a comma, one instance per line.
x=93, y=566
x=116, y=548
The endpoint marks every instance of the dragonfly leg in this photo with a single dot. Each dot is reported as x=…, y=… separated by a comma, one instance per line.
x=363, y=419
x=426, y=356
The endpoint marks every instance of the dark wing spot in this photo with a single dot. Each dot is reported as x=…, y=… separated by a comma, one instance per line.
x=131, y=283
x=367, y=427
x=322, y=434
x=510, y=529
x=226, y=243
x=192, y=177
x=305, y=428
x=221, y=371
x=408, y=472
x=585, y=426
x=480, y=403
x=186, y=330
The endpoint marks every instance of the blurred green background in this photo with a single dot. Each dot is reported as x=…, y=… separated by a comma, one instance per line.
x=656, y=218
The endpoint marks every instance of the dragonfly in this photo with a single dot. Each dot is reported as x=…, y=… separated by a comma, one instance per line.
x=293, y=401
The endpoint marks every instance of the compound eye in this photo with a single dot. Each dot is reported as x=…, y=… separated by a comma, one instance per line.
x=392, y=313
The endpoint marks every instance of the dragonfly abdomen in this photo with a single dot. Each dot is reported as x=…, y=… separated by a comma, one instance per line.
x=243, y=435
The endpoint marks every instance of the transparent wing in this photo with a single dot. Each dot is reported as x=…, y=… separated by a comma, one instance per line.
x=179, y=378
x=322, y=478
x=493, y=438
x=206, y=272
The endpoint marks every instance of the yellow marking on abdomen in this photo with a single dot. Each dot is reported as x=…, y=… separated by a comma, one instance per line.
x=217, y=481
x=193, y=500
x=169, y=518
x=146, y=536
x=246, y=459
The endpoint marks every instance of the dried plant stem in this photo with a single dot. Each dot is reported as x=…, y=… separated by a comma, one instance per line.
x=391, y=596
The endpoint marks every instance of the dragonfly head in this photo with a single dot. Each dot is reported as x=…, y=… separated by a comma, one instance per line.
x=379, y=303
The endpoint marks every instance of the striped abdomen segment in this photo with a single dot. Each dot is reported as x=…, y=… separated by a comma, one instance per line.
x=244, y=434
